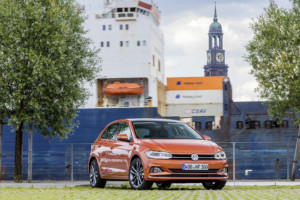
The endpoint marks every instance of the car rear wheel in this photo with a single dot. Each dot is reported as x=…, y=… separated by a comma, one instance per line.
x=136, y=176
x=163, y=185
x=95, y=179
x=215, y=185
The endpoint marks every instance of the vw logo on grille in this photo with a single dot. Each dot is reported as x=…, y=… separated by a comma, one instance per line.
x=194, y=157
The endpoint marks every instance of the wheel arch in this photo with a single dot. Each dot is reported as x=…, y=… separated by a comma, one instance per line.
x=134, y=157
x=90, y=161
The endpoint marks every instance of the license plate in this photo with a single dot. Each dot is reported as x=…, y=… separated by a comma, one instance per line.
x=194, y=166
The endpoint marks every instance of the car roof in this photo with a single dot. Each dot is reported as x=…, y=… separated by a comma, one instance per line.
x=152, y=120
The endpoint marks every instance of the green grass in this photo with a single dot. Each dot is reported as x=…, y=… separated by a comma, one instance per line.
x=175, y=192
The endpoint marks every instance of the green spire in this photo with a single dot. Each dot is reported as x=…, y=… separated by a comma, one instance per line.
x=215, y=16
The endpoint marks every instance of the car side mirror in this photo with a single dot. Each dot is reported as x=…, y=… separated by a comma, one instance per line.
x=123, y=137
x=207, y=137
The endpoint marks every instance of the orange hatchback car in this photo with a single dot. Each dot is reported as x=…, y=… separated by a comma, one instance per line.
x=145, y=151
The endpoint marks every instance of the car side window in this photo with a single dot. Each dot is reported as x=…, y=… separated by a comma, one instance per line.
x=142, y=132
x=124, y=129
x=110, y=132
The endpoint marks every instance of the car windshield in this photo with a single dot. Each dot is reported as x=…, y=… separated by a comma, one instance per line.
x=164, y=130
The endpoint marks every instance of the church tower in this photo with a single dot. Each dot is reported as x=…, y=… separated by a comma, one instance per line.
x=215, y=54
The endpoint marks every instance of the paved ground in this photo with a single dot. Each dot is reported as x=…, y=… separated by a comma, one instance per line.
x=59, y=184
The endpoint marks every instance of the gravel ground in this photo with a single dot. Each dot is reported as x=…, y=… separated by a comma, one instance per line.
x=175, y=192
x=234, y=190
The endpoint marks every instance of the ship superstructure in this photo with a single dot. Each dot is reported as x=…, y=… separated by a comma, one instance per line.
x=132, y=51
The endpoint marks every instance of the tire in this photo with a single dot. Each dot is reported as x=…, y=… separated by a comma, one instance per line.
x=164, y=185
x=136, y=176
x=214, y=185
x=95, y=179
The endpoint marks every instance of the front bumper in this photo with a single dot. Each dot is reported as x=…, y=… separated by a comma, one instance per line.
x=172, y=170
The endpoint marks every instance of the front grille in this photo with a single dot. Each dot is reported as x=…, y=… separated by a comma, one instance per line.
x=190, y=175
x=188, y=157
x=194, y=171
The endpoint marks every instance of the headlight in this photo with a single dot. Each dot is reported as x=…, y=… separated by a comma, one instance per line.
x=220, y=155
x=158, y=155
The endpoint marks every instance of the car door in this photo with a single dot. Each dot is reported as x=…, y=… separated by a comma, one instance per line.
x=105, y=147
x=121, y=152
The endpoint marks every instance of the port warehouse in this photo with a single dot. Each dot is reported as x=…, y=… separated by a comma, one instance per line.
x=264, y=152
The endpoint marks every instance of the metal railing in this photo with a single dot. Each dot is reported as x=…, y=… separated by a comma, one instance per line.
x=259, y=160
x=69, y=161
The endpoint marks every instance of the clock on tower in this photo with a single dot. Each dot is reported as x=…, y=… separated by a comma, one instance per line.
x=219, y=57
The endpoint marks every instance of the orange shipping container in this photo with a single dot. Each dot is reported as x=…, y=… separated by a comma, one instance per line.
x=195, y=83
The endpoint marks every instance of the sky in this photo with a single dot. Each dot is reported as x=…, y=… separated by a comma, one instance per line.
x=185, y=24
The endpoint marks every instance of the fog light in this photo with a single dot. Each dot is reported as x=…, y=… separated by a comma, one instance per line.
x=155, y=170
x=225, y=170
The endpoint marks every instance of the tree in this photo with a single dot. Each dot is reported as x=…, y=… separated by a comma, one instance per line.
x=45, y=59
x=274, y=56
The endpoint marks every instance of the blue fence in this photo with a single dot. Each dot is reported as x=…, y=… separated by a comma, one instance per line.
x=54, y=161
x=69, y=161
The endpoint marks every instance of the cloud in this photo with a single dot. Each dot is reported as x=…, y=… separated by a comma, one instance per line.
x=245, y=91
x=244, y=70
x=187, y=35
x=236, y=34
x=172, y=63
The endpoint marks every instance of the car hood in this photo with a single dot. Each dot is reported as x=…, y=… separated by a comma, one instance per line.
x=182, y=146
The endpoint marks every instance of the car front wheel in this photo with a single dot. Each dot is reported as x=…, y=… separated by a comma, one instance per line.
x=95, y=179
x=136, y=176
x=214, y=185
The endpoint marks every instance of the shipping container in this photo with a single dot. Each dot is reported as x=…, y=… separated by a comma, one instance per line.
x=189, y=110
x=195, y=83
x=194, y=96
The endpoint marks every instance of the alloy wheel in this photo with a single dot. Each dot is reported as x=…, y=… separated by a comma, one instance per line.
x=95, y=178
x=137, y=174
x=93, y=175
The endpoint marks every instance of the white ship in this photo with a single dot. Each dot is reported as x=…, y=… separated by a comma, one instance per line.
x=132, y=51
